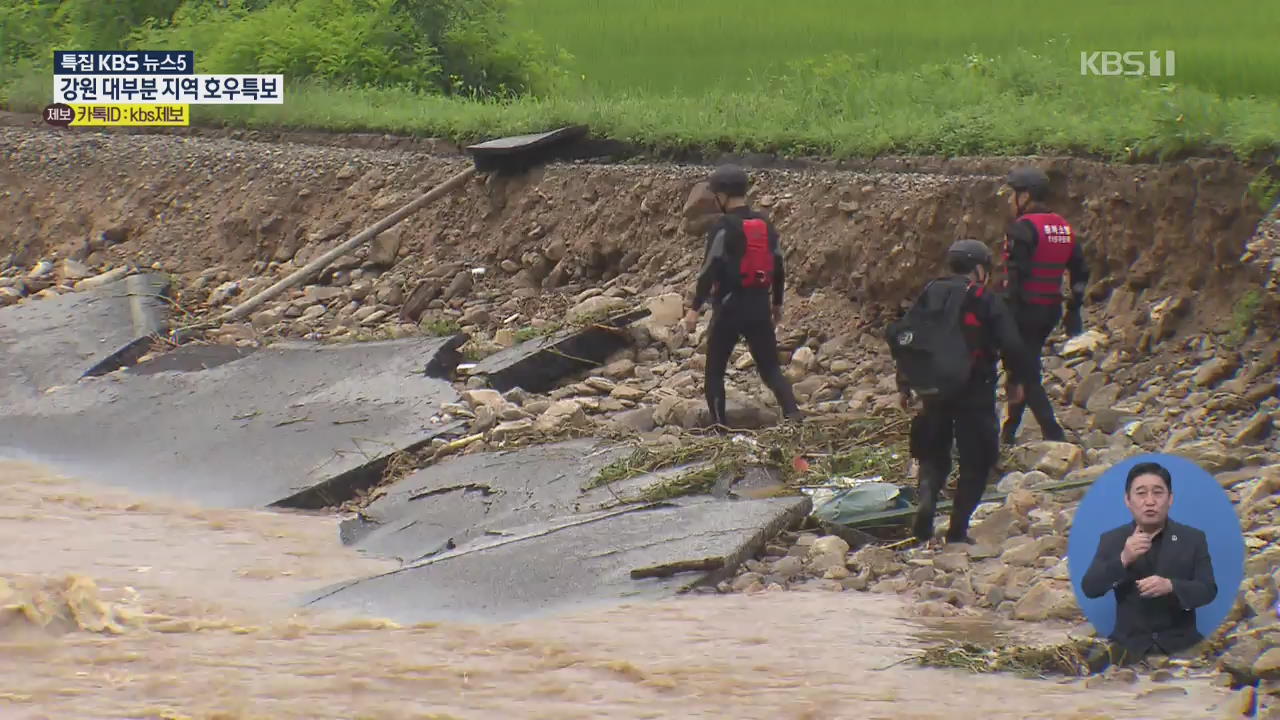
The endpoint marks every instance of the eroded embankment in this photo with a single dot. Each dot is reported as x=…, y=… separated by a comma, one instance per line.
x=192, y=204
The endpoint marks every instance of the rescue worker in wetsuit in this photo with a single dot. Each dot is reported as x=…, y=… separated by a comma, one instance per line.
x=968, y=419
x=1039, y=246
x=742, y=269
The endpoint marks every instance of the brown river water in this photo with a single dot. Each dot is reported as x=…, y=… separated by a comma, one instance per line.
x=172, y=611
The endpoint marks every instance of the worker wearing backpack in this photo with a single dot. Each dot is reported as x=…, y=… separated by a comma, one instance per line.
x=743, y=267
x=946, y=350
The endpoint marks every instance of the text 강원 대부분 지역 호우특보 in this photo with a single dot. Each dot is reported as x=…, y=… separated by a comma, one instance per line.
x=151, y=87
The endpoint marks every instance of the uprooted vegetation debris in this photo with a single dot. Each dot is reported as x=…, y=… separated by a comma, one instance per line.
x=1069, y=658
x=838, y=446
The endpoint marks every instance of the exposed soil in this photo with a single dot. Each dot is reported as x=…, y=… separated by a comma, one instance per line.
x=863, y=237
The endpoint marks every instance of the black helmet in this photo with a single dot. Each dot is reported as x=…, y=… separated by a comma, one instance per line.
x=965, y=255
x=730, y=180
x=1029, y=179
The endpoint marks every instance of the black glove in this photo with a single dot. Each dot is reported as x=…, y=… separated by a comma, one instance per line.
x=1072, y=321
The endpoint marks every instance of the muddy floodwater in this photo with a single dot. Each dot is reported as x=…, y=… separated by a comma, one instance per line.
x=118, y=606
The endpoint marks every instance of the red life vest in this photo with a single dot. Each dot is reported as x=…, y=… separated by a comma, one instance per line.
x=1055, y=241
x=756, y=266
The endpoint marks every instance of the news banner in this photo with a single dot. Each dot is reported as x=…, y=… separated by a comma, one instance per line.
x=145, y=88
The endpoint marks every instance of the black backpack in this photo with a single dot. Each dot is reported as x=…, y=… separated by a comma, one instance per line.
x=928, y=343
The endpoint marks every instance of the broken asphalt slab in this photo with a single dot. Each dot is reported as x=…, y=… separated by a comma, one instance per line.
x=469, y=498
x=538, y=365
x=573, y=562
x=297, y=424
x=56, y=341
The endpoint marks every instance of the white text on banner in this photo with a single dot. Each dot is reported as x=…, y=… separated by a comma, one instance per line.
x=169, y=89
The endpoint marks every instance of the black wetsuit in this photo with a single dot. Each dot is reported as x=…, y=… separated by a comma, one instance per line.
x=739, y=313
x=969, y=419
x=1036, y=323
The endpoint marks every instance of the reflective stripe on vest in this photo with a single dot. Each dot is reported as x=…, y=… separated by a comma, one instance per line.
x=1055, y=241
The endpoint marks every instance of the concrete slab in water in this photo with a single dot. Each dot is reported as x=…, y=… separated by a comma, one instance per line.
x=468, y=498
x=571, y=562
x=57, y=341
x=297, y=424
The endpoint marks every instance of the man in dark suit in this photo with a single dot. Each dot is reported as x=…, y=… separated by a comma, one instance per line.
x=1159, y=569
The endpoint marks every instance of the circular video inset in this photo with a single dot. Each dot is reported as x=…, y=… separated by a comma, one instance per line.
x=1156, y=556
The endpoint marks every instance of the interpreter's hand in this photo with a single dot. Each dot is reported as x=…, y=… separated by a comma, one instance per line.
x=1017, y=394
x=1134, y=547
x=1154, y=586
x=904, y=401
x=691, y=321
x=777, y=315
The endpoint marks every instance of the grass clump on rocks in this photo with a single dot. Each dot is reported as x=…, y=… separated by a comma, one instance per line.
x=829, y=447
x=1032, y=661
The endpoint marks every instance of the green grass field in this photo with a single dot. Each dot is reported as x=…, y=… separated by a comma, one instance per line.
x=849, y=78
x=1228, y=46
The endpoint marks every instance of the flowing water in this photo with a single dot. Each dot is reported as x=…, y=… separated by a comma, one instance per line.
x=113, y=606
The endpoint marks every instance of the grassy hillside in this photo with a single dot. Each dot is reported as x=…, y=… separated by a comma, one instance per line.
x=1228, y=47
x=837, y=78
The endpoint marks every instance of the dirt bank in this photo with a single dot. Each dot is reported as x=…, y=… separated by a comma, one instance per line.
x=196, y=203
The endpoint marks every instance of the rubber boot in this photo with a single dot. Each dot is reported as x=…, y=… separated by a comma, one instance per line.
x=968, y=495
x=931, y=481
x=1009, y=434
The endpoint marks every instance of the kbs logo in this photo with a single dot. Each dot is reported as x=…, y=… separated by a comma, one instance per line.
x=1137, y=62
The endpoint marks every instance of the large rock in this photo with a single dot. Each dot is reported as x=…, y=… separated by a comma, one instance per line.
x=1255, y=430
x=562, y=415
x=597, y=308
x=385, y=248
x=462, y=284
x=1104, y=398
x=1267, y=666
x=994, y=529
x=1240, y=658
x=1089, y=385
x=664, y=310
x=490, y=398
x=1211, y=455
x=103, y=279
x=638, y=420
x=1047, y=600
x=1215, y=371
x=511, y=429
x=1055, y=459
x=619, y=369
x=804, y=360
x=951, y=562
x=1083, y=345
x=828, y=545
x=878, y=561
x=1266, y=561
